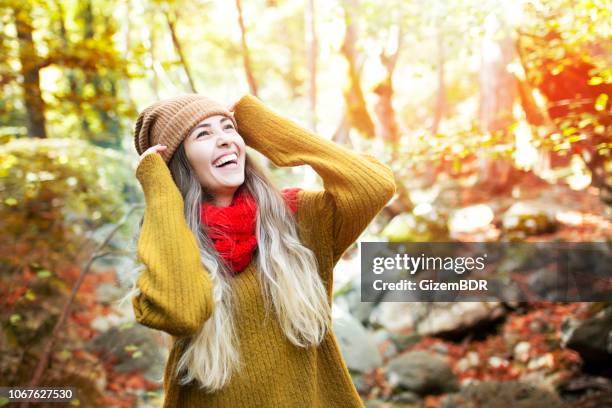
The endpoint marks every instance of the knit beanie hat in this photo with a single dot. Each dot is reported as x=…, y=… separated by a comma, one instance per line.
x=169, y=121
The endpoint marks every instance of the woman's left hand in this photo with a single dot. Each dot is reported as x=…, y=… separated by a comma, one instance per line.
x=232, y=106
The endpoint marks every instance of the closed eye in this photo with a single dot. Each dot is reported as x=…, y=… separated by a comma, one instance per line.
x=205, y=133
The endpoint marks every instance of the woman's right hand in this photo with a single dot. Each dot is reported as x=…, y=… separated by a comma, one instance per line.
x=153, y=149
x=232, y=106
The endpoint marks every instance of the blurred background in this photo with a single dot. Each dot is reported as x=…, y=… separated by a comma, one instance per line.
x=494, y=116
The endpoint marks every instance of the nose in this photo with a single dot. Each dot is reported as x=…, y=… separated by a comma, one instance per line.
x=223, y=140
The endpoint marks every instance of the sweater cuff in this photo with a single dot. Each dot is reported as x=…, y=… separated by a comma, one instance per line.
x=148, y=166
x=156, y=180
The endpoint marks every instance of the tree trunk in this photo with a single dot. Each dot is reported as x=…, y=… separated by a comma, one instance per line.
x=312, y=45
x=357, y=112
x=497, y=85
x=30, y=70
x=536, y=115
x=497, y=94
x=73, y=82
x=248, y=70
x=246, y=60
x=155, y=80
x=441, y=94
x=310, y=34
x=179, y=49
x=341, y=135
x=125, y=82
x=389, y=129
x=105, y=99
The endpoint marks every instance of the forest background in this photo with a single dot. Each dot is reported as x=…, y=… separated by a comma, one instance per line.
x=494, y=116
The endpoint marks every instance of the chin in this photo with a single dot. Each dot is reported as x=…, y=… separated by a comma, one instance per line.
x=233, y=185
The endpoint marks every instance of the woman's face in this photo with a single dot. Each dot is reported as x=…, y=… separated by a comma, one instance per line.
x=212, y=142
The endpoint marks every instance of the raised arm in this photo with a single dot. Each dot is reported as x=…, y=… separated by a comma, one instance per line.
x=175, y=289
x=357, y=186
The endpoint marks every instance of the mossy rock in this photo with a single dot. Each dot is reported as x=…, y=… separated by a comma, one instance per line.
x=410, y=227
x=514, y=394
x=522, y=220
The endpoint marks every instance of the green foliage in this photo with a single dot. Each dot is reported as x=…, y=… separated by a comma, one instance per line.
x=74, y=50
x=564, y=50
x=56, y=190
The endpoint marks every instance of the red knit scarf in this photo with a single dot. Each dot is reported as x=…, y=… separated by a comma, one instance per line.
x=232, y=228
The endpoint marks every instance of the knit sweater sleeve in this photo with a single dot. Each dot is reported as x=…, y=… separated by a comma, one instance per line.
x=175, y=289
x=357, y=186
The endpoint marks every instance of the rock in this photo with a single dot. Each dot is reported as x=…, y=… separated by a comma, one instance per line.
x=376, y=403
x=421, y=372
x=470, y=360
x=396, y=317
x=586, y=385
x=439, y=348
x=470, y=219
x=351, y=301
x=541, y=362
x=381, y=335
x=362, y=311
x=108, y=293
x=545, y=379
x=359, y=382
x=457, y=318
x=385, y=344
x=407, y=397
x=347, y=293
x=594, y=400
x=592, y=339
x=548, y=284
x=389, y=350
x=428, y=226
x=539, y=325
x=356, y=343
x=348, y=275
x=441, y=318
x=513, y=394
x=103, y=323
x=521, y=351
x=523, y=219
x=404, y=341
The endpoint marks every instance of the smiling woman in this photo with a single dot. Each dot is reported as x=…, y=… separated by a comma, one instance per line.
x=238, y=272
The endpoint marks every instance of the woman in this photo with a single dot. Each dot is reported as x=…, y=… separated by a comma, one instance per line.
x=237, y=271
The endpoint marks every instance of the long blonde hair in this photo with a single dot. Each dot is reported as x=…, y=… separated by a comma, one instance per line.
x=287, y=269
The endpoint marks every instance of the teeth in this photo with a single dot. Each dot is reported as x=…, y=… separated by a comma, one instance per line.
x=225, y=159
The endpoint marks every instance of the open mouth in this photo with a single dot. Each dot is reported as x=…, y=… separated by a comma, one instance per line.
x=227, y=161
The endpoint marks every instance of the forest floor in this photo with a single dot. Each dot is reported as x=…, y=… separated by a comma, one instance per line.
x=113, y=382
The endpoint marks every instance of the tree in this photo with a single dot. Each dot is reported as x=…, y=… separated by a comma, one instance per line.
x=30, y=71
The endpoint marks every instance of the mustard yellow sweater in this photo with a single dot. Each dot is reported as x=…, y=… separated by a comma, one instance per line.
x=176, y=290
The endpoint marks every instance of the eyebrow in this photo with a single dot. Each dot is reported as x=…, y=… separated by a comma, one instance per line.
x=207, y=125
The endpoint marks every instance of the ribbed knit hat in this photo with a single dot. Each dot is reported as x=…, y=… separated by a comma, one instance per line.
x=169, y=121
